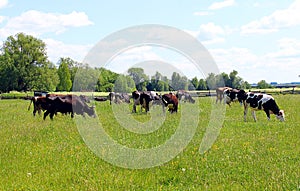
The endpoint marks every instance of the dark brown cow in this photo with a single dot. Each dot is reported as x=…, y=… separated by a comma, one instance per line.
x=68, y=104
x=39, y=103
x=171, y=101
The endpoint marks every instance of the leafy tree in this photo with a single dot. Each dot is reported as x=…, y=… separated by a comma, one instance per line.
x=124, y=84
x=263, y=84
x=106, y=80
x=65, y=82
x=211, y=81
x=139, y=77
x=86, y=79
x=202, y=85
x=23, y=57
x=194, y=83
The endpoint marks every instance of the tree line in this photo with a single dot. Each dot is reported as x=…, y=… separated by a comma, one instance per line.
x=24, y=66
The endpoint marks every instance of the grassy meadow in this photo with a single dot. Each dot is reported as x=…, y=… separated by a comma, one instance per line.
x=52, y=155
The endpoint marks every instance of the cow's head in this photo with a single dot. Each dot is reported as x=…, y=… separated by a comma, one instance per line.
x=90, y=110
x=280, y=115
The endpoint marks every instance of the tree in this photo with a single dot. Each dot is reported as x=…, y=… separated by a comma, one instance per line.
x=23, y=57
x=139, y=77
x=263, y=84
x=194, y=83
x=202, y=85
x=211, y=82
x=106, y=80
x=65, y=83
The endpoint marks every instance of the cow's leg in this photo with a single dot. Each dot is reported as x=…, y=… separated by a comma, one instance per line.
x=267, y=113
x=253, y=115
x=134, y=108
x=46, y=114
x=245, y=111
x=51, y=115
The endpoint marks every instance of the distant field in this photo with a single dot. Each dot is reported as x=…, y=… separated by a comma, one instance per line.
x=51, y=155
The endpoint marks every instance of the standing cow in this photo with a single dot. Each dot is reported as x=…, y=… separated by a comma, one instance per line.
x=232, y=95
x=143, y=99
x=220, y=93
x=68, y=104
x=258, y=101
x=171, y=101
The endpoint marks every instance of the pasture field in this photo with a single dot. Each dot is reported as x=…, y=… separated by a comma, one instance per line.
x=51, y=155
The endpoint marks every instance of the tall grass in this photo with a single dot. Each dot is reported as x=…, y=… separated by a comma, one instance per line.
x=51, y=155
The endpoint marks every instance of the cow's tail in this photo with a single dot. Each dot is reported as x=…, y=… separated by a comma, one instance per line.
x=30, y=103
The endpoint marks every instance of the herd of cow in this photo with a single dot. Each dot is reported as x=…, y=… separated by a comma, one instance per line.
x=73, y=104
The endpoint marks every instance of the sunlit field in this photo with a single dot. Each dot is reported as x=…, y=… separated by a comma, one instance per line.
x=51, y=155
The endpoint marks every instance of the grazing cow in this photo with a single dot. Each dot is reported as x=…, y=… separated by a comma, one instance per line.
x=258, y=101
x=171, y=101
x=118, y=97
x=143, y=99
x=232, y=95
x=220, y=93
x=184, y=96
x=68, y=104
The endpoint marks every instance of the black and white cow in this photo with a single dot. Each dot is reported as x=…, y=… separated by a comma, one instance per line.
x=233, y=95
x=259, y=101
x=143, y=99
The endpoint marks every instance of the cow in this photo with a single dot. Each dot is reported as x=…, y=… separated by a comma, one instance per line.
x=232, y=95
x=39, y=104
x=259, y=101
x=67, y=104
x=184, y=96
x=143, y=98
x=118, y=97
x=220, y=93
x=170, y=100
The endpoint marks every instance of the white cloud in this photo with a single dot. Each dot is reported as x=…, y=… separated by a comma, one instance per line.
x=203, y=13
x=2, y=18
x=3, y=3
x=279, y=66
x=210, y=33
x=279, y=19
x=36, y=23
x=222, y=4
x=57, y=49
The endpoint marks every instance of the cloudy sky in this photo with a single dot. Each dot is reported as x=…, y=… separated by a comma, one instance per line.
x=259, y=39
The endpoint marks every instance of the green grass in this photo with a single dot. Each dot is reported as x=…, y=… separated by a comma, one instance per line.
x=51, y=155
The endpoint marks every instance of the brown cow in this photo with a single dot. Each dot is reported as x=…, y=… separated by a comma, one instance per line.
x=220, y=93
x=170, y=100
x=68, y=104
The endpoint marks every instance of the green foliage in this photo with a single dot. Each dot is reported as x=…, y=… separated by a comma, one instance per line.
x=106, y=80
x=263, y=84
x=65, y=82
x=23, y=57
x=124, y=84
x=139, y=77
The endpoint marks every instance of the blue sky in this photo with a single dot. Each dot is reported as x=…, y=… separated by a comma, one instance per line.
x=259, y=39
